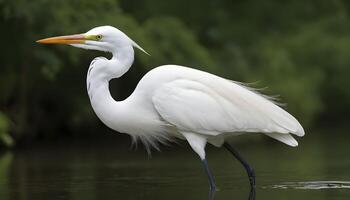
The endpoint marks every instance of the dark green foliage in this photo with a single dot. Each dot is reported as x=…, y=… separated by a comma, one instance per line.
x=5, y=138
x=298, y=49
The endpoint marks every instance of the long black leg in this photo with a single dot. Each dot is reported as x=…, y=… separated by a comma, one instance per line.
x=250, y=171
x=212, y=187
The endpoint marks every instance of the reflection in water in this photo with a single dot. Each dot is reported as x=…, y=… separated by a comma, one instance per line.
x=211, y=194
x=251, y=196
x=313, y=185
x=109, y=170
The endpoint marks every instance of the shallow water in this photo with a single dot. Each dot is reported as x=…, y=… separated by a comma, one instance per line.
x=317, y=169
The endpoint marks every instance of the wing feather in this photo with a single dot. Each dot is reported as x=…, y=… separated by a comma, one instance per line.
x=208, y=104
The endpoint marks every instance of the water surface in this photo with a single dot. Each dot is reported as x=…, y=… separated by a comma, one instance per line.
x=317, y=169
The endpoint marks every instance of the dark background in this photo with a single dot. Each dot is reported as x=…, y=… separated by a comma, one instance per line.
x=299, y=49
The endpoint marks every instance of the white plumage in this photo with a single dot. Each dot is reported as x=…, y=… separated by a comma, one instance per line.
x=171, y=100
x=199, y=102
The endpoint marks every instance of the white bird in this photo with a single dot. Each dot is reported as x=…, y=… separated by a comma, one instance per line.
x=173, y=101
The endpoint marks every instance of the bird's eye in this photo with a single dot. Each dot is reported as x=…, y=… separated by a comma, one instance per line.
x=98, y=37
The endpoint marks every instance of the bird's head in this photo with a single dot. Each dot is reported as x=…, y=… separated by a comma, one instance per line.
x=102, y=38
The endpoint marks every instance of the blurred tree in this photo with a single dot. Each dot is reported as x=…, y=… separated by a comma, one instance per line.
x=298, y=49
x=5, y=138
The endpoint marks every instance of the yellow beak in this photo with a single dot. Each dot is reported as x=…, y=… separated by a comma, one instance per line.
x=67, y=39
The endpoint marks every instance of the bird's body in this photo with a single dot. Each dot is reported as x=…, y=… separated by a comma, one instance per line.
x=170, y=100
x=176, y=101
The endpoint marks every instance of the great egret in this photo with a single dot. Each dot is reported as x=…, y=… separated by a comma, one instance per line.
x=176, y=101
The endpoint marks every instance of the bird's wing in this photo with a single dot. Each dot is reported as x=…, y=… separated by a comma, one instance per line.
x=212, y=105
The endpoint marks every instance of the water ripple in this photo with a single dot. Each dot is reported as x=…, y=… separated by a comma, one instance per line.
x=312, y=185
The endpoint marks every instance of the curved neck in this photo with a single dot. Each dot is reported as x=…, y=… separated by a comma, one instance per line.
x=122, y=60
x=101, y=71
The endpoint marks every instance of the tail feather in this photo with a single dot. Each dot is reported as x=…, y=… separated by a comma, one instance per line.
x=288, y=122
x=285, y=138
x=278, y=120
